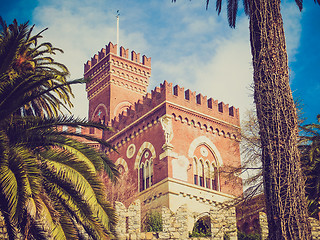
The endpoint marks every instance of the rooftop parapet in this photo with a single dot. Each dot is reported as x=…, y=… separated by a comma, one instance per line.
x=112, y=49
x=182, y=98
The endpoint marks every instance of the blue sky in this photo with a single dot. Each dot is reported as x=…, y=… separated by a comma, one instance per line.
x=188, y=45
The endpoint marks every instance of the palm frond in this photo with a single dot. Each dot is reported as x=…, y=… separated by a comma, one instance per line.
x=299, y=4
x=232, y=12
x=218, y=6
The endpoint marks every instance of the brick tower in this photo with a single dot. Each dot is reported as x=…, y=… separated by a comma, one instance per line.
x=117, y=81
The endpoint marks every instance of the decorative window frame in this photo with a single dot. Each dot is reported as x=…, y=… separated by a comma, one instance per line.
x=144, y=168
x=121, y=161
x=213, y=171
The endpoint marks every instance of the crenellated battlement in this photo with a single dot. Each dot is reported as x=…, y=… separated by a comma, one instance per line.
x=124, y=53
x=178, y=98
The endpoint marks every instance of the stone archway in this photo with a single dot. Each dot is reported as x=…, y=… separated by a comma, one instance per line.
x=202, y=226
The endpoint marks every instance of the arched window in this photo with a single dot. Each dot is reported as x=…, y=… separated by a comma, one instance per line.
x=146, y=170
x=206, y=162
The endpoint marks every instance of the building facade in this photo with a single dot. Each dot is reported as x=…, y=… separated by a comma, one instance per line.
x=177, y=145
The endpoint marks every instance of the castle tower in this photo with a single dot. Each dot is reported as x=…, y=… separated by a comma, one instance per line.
x=117, y=81
x=176, y=145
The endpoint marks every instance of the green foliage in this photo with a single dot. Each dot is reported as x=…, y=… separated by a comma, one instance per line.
x=153, y=222
x=31, y=82
x=49, y=182
x=226, y=236
x=310, y=160
x=202, y=228
x=244, y=236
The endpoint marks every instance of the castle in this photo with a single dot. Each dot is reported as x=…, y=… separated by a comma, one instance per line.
x=177, y=145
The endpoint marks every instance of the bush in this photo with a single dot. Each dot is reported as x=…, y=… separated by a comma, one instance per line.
x=153, y=222
x=244, y=236
x=202, y=228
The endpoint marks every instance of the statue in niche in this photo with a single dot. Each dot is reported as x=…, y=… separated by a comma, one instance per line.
x=166, y=124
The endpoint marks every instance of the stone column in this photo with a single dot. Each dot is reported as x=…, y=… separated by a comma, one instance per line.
x=223, y=222
x=263, y=221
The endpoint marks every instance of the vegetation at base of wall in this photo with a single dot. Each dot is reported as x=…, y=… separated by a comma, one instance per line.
x=153, y=222
x=245, y=236
x=197, y=234
x=226, y=236
x=202, y=228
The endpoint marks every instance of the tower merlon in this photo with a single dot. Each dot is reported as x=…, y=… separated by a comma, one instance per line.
x=212, y=103
x=102, y=53
x=87, y=66
x=111, y=48
x=165, y=86
x=155, y=91
x=146, y=61
x=124, y=52
x=189, y=95
x=95, y=59
x=178, y=91
x=147, y=97
x=135, y=57
x=200, y=99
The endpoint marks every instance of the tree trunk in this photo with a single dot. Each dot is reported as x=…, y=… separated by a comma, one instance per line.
x=283, y=181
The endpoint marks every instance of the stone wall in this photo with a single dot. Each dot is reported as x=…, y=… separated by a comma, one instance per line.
x=129, y=220
x=263, y=221
x=223, y=222
x=315, y=228
x=3, y=230
x=175, y=225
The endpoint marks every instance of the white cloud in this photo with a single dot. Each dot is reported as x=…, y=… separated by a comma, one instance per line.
x=189, y=46
x=292, y=26
x=219, y=64
x=81, y=31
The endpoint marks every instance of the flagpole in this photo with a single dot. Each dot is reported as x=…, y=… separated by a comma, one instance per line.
x=118, y=46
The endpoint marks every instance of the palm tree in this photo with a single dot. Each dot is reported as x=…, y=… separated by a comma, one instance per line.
x=310, y=160
x=28, y=69
x=49, y=184
x=277, y=117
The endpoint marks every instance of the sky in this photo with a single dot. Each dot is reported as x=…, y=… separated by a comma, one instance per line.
x=189, y=45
